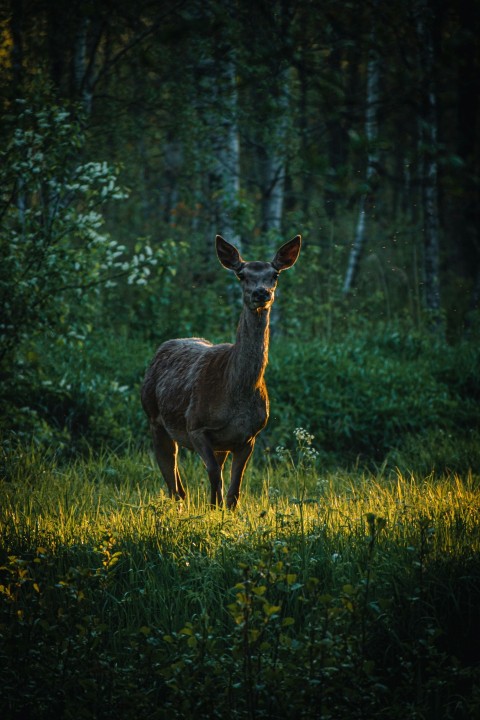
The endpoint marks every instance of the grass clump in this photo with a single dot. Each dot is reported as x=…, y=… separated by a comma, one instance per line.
x=324, y=596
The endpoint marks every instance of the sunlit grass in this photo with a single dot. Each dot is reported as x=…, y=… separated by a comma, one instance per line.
x=42, y=502
x=46, y=503
x=378, y=570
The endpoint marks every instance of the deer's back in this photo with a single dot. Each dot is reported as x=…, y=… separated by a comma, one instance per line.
x=189, y=385
x=173, y=373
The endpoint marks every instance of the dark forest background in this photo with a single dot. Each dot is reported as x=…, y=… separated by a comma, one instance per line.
x=132, y=132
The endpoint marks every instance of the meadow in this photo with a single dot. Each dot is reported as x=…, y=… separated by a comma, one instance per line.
x=325, y=595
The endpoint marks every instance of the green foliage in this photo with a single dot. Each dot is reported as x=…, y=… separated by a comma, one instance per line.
x=77, y=394
x=370, y=397
x=358, y=598
x=370, y=394
x=55, y=254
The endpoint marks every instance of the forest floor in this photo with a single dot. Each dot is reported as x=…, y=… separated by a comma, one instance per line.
x=344, y=595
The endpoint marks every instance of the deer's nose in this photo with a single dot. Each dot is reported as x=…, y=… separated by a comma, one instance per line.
x=261, y=295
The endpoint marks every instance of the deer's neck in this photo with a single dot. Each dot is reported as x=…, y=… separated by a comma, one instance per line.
x=250, y=352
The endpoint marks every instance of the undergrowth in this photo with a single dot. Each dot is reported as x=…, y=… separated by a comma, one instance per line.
x=324, y=596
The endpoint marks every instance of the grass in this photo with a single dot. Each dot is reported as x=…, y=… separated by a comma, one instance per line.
x=323, y=596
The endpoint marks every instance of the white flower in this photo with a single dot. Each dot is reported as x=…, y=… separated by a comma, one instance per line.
x=281, y=452
x=303, y=436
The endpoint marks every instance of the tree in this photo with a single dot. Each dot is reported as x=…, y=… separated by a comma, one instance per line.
x=54, y=253
x=428, y=138
x=371, y=133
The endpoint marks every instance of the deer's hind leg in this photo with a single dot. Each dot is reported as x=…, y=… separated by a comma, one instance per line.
x=166, y=452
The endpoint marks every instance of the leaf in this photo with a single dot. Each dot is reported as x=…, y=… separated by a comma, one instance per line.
x=270, y=610
x=260, y=590
x=325, y=599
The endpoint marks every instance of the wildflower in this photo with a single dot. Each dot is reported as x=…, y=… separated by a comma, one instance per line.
x=303, y=436
x=281, y=452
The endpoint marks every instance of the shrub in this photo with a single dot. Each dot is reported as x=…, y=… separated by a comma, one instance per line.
x=366, y=395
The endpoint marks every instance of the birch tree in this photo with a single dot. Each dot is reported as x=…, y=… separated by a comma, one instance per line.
x=371, y=133
x=228, y=154
x=274, y=163
x=428, y=137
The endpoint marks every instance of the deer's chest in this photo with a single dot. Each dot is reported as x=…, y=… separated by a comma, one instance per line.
x=251, y=416
x=245, y=419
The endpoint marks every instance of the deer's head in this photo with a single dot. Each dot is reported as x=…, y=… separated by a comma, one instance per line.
x=259, y=279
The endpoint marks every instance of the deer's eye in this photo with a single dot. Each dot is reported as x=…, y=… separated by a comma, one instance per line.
x=275, y=276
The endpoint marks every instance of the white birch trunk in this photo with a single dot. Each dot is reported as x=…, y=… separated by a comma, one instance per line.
x=81, y=72
x=371, y=132
x=275, y=163
x=274, y=192
x=229, y=157
x=274, y=174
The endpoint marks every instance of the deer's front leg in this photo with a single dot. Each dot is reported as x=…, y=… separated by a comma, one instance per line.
x=239, y=464
x=204, y=448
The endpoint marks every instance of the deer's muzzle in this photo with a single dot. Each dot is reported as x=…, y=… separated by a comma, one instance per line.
x=261, y=297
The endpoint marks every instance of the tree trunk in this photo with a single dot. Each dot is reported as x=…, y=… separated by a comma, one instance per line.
x=81, y=80
x=371, y=132
x=274, y=190
x=336, y=136
x=274, y=163
x=428, y=140
x=229, y=156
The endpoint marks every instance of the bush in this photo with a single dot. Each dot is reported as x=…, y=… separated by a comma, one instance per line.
x=77, y=395
x=369, y=394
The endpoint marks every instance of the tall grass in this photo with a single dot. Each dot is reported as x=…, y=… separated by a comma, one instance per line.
x=323, y=596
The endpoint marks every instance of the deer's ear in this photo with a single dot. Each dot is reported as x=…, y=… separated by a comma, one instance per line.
x=228, y=254
x=288, y=254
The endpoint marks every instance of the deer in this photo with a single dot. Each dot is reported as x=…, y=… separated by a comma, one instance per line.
x=212, y=398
